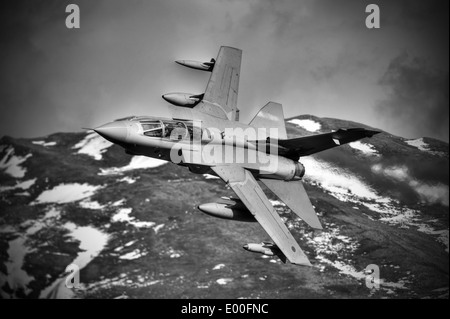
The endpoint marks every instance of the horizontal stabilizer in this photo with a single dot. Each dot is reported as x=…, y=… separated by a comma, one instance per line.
x=293, y=194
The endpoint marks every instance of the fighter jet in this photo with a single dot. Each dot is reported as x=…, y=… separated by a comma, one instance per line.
x=205, y=135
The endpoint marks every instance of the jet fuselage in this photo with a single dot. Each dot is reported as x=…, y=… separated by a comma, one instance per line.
x=188, y=143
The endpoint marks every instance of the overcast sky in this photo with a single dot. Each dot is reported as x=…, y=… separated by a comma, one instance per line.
x=315, y=57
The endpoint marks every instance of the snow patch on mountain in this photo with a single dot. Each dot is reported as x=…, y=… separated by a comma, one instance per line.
x=127, y=179
x=224, y=281
x=19, y=185
x=16, y=276
x=118, y=203
x=419, y=144
x=66, y=193
x=135, y=254
x=219, y=266
x=91, y=204
x=92, y=242
x=424, y=147
x=123, y=215
x=93, y=145
x=11, y=164
x=44, y=143
x=365, y=148
x=157, y=228
x=307, y=124
x=137, y=162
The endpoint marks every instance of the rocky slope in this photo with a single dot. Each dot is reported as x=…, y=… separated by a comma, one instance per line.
x=131, y=223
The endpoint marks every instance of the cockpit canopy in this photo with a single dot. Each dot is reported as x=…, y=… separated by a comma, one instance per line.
x=170, y=129
x=153, y=129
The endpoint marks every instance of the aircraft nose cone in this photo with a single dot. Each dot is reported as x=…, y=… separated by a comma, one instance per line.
x=114, y=131
x=245, y=247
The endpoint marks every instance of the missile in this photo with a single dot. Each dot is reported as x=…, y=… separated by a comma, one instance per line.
x=233, y=210
x=183, y=99
x=204, y=66
x=265, y=248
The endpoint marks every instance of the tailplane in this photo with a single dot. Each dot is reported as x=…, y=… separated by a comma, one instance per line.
x=293, y=194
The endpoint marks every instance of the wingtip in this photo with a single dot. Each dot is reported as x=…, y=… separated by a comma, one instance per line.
x=306, y=263
x=318, y=226
x=230, y=47
x=301, y=260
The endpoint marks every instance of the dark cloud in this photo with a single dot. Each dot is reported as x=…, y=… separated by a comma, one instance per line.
x=314, y=57
x=418, y=102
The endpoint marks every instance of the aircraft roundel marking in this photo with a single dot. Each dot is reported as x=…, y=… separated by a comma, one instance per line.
x=293, y=248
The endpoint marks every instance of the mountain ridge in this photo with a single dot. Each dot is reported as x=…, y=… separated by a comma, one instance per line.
x=382, y=200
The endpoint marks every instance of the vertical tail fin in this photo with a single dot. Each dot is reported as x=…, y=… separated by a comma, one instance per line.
x=271, y=116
